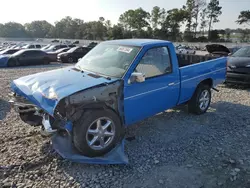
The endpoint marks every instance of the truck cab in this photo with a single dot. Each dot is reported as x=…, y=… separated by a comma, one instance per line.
x=115, y=85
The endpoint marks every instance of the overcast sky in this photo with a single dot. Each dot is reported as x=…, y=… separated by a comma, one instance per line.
x=24, y=11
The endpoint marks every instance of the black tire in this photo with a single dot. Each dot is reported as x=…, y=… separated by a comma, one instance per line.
x=70, y=60
x=13, y=63
x=194, y=103
x=46, y=61
x=80, y=128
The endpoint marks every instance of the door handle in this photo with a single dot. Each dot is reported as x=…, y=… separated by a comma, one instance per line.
x=170, y=84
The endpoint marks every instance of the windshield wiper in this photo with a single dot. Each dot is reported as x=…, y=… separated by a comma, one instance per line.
x=82, y=70
x=79, y=67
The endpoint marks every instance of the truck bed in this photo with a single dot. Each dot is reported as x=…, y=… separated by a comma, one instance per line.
x=197, y=69
x=189, y=59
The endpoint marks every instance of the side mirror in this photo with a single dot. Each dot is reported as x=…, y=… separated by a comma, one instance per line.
x=136, y=77
x=229, y=54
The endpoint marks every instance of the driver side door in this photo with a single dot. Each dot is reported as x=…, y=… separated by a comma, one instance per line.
x=158, y=92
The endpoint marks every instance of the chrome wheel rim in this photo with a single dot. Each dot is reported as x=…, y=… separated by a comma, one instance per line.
x=204, y=100
x=100, y=133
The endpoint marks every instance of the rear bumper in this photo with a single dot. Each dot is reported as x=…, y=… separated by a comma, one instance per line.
x=238, y=78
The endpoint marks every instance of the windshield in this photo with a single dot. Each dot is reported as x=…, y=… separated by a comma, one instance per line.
x=62, y=50
x=108, y=59
x=19, y=52
x=51, y=47
x=242, y=52
x=73, y=49
x=45, y=47
x=26, y=46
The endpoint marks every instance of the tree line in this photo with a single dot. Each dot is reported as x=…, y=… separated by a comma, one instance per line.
x=196, y=16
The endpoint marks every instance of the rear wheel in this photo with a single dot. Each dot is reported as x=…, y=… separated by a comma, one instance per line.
x=201, y=99
x=97, y=132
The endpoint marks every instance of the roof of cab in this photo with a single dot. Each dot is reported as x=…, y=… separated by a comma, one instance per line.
x=136, y=42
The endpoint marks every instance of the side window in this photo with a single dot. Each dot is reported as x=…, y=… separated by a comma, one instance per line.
x=155, y=62
x=31, y=46
x=63, y=46
x=38, y=46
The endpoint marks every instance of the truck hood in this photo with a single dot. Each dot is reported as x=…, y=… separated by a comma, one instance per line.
x=211, y=48
x=38, y=88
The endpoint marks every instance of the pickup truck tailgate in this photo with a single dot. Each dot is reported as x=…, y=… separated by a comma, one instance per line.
x=192, y=75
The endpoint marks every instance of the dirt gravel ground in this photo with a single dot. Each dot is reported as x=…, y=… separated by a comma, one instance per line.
x=173, y=149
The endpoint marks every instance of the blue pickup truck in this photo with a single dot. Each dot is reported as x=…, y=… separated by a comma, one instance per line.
x=117, y=84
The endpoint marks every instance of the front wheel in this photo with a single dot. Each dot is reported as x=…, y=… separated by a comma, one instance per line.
x=13, y=63
x=97, y=132
x=200, y=101
x=46, y=61
x=70, y=60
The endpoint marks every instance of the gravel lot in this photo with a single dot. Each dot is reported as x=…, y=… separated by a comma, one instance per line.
x=173, y=149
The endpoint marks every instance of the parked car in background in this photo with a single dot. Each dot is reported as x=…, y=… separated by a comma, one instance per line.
x=54, y=48
x=73, y=54
x=76, y=42
x=9, y=51
x=107, y=91
x=25, y=57
x=53, y=55
x=32, y=46
x=238, y=70
x=46, y=47
x=55, y=40
x=92, y=44
x=185, y=50
x=217, y=50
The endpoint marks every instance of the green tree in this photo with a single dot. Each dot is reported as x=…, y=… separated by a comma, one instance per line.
x=214, y=36
x=135, y=19
x=157, y=17
x=203, y=21
x=198, y=8
x=13, y=29
x=175, y=17
x=117, y=32
x=228, y=34
x=213, y=12
x=101, y=19
x=38, y=29
x=68, y=28
x=1, y=29
x=94, y=30
x=189, y=7
x=244, y=35
x=244, y=17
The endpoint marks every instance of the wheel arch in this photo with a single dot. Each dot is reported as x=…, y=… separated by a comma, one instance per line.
x=97, y=98
x=208, y=82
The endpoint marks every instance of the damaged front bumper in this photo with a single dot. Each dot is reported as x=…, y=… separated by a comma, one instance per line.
x=61, y=131
x=35, y=116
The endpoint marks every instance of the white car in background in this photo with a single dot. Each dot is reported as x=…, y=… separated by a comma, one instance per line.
x=185, y=50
